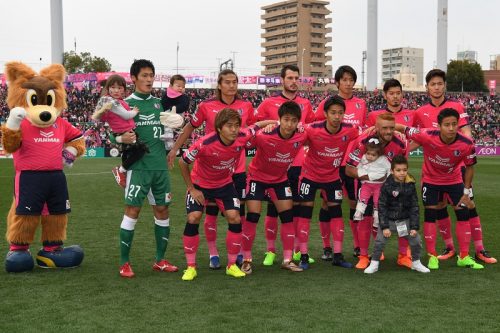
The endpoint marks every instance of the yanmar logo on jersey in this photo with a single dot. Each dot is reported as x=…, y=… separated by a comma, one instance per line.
x=146, y=120
x=225, y=164
x=331, y=152
x=440, y=161
x=350, y=119
x=281, y=158
x=46, y=137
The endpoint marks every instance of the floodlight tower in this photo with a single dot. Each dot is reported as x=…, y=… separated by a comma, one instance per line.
x=56, y=31
x=442, y=35
x=371, y=50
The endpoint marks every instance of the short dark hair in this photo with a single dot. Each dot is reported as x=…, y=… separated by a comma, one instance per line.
x=398, y=159
x=139, y=64
x=291, y=108
x=448, y=112
x=345, y=69
x=225, y=115
x=334, y=100
x=433, y=73
x=177, y=77
x=293, y=68
x=391, y=83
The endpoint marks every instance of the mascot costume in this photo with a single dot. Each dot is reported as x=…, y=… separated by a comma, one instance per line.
x=41, y=143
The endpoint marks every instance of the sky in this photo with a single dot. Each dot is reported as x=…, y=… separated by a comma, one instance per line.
x=212, y=31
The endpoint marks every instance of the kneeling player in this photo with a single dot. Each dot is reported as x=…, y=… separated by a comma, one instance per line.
x=215, y=156
x=267, y=172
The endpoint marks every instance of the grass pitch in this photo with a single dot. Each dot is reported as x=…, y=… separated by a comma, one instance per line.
x=94, y=298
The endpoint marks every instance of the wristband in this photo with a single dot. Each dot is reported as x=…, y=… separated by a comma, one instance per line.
x=467, y=191
x=118, y=139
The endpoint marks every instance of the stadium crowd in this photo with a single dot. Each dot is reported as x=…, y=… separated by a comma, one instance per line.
x=483, y=109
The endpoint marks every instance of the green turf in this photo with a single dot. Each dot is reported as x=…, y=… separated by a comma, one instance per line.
x=94, y=298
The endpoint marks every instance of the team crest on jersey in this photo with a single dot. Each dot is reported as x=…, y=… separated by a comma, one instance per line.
x=240, y=112
x=344, y=138
x=55, y=125
x=456, y=152
x=356, y=152
x=301, y=106
x=238, y=148
x=295, y=145
x=157, y=105
x=395, y=193
x=390, y=154
x=406, y=118
x=358, y=106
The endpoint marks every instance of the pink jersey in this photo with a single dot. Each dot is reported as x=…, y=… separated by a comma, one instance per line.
x=427, y=114
x=214, y=162
x=442, y=161
x=268, y=109
x=403, y=117
x=274, y=156
x=41, y=148
x=207, y=110
x=326, y=151
x=355, y=111
x=397, y=146
x=117, y=123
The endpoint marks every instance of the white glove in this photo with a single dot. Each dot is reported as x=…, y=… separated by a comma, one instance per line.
x=17, y=115
x=171, y=119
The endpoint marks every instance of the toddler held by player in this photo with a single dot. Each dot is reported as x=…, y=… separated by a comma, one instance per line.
x=376, y=166
x=112, y=109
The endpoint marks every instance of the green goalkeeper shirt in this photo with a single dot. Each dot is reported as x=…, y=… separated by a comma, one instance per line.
x=149, y=130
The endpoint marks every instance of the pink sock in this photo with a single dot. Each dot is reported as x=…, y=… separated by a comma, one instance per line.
x=430, y=237
x=337, y=227
x=296, y=226
x=247, y=239
x=354, y=230
x=477, y=233
x=303, y=234
x=364, y=228
x=271, y=225
x=287, y=238
x=444, y=226
x=17, y=247
x=210, y=226
x=463, y=235
x=233, y=246
x=402, y=245
x=191, y=244
x=324, y=229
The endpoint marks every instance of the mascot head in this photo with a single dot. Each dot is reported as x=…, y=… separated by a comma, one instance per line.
x=42, y=96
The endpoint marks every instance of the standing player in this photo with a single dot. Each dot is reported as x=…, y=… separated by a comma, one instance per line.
x=426, y=117
x=444, y=151
x=268, y=109
x=215, y=156
x=149, y=176
x=355, y=114
x=394, y=144
x=328, y=141
x=393, y=94
x=226, y=96
x=267, y=175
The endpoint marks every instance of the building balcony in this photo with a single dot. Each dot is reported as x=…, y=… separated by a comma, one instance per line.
x=277, y=23
x=279, y=32
x=321, y=40
x=324, y=49
x=326, y=20
x=321, y=11
x=322, y=31
x=286, y=50
x=279, y=41
x=280, y=60
x=278, y=13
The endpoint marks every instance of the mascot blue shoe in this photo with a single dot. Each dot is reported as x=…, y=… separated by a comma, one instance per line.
x=62, y=257
x=19, y=261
